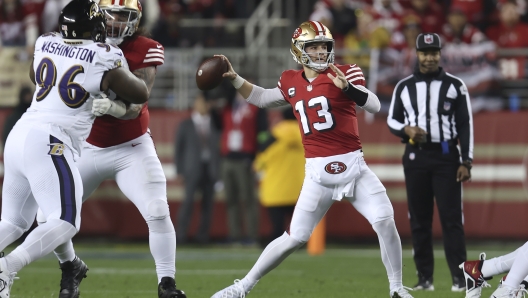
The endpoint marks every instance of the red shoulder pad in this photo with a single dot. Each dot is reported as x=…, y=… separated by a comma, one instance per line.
x=284, y=80
x=142, y=52
x=353, y=74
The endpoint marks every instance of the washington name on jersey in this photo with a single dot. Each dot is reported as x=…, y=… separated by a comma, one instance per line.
x=107, y=131
x=66, y=75
x=327, y=117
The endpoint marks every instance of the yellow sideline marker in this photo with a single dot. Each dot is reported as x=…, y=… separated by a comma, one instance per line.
x=317, y=242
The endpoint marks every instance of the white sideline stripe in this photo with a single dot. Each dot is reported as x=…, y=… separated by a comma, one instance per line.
x=480, y=173
x=138, y=271
x=394, y=173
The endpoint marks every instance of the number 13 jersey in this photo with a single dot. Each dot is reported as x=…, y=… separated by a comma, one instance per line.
x=326, y=116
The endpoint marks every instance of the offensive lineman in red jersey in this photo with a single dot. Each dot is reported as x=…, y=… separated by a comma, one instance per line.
x=120, y=147
x=324, y=102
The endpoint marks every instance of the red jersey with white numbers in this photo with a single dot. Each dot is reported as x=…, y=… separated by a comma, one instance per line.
x=326, y=116
x=140, y=52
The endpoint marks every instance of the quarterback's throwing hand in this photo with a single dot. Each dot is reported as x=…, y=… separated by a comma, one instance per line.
x=339, y=79
x=230, y=74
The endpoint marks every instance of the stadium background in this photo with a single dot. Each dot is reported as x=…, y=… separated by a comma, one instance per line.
x=255, y=36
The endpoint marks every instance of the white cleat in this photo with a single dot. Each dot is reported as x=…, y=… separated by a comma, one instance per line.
x=401, y=293
x=504, y=291
x=235, y=290
x=6, y=282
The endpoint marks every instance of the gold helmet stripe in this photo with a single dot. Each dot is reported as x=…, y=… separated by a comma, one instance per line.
x=319, y=28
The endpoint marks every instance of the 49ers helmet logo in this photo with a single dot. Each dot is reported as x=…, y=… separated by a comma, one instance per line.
x=335, y=167
x=297, y=33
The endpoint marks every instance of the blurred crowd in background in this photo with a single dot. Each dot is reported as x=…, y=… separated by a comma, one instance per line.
x=483, y=40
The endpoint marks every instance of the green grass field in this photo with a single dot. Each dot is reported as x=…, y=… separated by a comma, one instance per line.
x=127, y=270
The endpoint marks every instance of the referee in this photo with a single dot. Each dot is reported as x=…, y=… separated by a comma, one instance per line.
x=431, y=112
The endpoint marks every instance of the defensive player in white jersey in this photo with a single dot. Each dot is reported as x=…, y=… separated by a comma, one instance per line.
x=69, y=71
x=120, y=147
x=323, y=97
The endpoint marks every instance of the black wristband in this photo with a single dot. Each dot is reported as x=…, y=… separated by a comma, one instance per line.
x=468, y=164
x=353, y=93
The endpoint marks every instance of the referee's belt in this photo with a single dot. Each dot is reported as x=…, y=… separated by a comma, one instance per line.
x=436, y=146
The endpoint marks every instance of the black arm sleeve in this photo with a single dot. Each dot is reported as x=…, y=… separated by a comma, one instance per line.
x=355, y=94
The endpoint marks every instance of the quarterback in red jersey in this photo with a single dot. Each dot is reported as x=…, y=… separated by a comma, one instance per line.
x=120, y=147
x=324, y=97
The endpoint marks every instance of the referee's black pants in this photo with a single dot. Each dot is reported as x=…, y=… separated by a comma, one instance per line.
x=430, y=173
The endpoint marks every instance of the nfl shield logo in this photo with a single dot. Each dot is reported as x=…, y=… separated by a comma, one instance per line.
x=447, y=106
x=428, y=39
x=309, y=88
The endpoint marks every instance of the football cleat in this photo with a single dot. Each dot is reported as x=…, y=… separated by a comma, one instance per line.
x=522, y=292
x=424, y=285
x=475, y=281
x=167, y=289
x=235, y=290
x=6, y=280
x=401, y=293
x=73, y=273
x=504, y=291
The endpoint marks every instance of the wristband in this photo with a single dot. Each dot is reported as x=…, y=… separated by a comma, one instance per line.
x=468, y=164
x=238, y=82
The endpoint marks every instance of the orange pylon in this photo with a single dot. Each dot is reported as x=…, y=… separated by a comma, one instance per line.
x=317, y=242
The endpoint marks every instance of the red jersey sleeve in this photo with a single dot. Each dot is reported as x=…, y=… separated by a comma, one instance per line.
x=142, y=52
x=353, y=74
x=283, y=82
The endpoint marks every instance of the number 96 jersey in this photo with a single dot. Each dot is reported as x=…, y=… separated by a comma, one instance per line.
x=67, y=72
x=327, y=117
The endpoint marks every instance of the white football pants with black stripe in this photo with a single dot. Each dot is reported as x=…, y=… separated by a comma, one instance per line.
x=39, y=171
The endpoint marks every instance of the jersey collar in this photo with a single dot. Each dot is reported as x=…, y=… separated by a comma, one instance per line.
x=430, y=76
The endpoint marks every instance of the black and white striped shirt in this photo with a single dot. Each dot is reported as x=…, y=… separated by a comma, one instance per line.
x=439, y=104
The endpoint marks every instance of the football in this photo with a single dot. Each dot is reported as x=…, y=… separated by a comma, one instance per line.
x=209, y=73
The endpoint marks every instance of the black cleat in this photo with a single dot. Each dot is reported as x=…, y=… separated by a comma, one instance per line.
x=167, y=289
x=73, y=273
x=424, y=284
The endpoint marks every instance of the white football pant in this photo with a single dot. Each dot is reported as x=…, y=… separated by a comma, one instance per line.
x=39, y=172
x=136, y=168
x=369, y=199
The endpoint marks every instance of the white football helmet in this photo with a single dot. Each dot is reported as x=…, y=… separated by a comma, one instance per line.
x=309, y=32
x=122, y=18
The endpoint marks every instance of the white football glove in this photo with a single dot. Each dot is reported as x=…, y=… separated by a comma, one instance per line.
x=103, y=105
